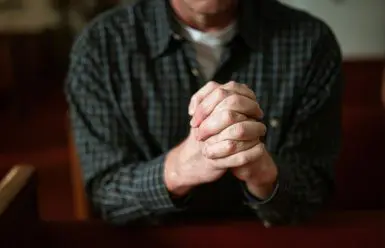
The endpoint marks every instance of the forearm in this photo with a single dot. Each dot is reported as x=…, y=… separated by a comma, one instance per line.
x=311, y=145
x=131, y=192
x=122, y=183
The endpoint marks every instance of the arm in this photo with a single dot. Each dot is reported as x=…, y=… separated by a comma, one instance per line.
x=120, y=186
x=305, y=160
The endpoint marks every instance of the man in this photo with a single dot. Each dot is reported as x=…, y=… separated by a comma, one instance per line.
x=259, y=136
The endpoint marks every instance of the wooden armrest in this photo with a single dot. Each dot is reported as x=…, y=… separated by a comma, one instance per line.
x=18, y=207
x=18, y=195
x=12, y=186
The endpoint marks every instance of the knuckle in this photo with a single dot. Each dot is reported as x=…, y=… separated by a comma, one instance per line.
x=260, y=149
x=245, y=86
x=203, y=106
x=242, y=160
x=234, y=99
x=211, y=140
x=230, y=145
x=193, y=98
x=232, y=84
x=206, y=151
x=229, y=116
x=238, y=131
x=209, y=154
x=221, y=93
x=240, y=146
x=211, y=84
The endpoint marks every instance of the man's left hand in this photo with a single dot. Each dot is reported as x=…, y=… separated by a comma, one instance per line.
x=227, y=123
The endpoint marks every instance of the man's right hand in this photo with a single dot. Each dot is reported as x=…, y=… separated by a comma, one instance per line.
x=186, y=167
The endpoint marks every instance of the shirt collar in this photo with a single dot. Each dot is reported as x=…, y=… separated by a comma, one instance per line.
x=159, y=26
x=162, y=28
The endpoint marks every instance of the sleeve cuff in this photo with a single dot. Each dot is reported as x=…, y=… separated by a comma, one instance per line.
x=273, y=210
x=253, y=200
x=152, y=191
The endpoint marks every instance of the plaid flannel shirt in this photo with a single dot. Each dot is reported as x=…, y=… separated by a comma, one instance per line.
x=130, y=80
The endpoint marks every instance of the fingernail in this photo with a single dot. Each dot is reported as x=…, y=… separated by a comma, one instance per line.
x=191, y=108
x=192, y=122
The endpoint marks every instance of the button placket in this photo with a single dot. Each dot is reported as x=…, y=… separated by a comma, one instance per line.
x=195, y=72
x=177, y=36
x=273, y=125
x=274, y=122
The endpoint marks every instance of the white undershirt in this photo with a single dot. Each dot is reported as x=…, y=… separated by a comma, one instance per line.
x=209, y=47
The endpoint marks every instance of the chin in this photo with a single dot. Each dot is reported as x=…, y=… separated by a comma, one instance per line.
x=210, y=7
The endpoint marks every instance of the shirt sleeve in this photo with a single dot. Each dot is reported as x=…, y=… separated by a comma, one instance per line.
x=120, y=186
x=306, y=158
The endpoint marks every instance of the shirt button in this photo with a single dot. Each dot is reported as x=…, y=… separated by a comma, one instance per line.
x=274, y=122
x=267, y=224
x=177, y=36
x=195, y=72
x=255, y=207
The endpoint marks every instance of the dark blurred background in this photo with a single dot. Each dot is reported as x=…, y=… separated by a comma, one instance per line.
x=35, y=39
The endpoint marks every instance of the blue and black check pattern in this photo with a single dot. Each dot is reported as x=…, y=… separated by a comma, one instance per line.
x=129, y=84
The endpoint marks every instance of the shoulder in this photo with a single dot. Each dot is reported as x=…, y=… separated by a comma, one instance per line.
x=296, y=24
x=112, y=28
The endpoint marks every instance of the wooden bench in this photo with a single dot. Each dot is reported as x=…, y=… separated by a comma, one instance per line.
x=327, y=230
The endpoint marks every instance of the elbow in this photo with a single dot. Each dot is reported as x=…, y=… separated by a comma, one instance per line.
x=316, y=201
x=114, y=208
x=114, y=212
x=105, y=211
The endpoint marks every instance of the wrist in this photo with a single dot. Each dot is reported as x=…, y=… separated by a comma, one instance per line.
x=261, y=192
x=173, y=181
x=263, y=188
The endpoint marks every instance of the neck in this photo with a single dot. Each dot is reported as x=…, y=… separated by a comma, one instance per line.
x=203, y=22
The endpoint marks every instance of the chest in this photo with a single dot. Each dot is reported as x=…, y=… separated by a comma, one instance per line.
x=161, y=90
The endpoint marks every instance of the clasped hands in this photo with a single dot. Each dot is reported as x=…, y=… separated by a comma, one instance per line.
x=225, y=135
